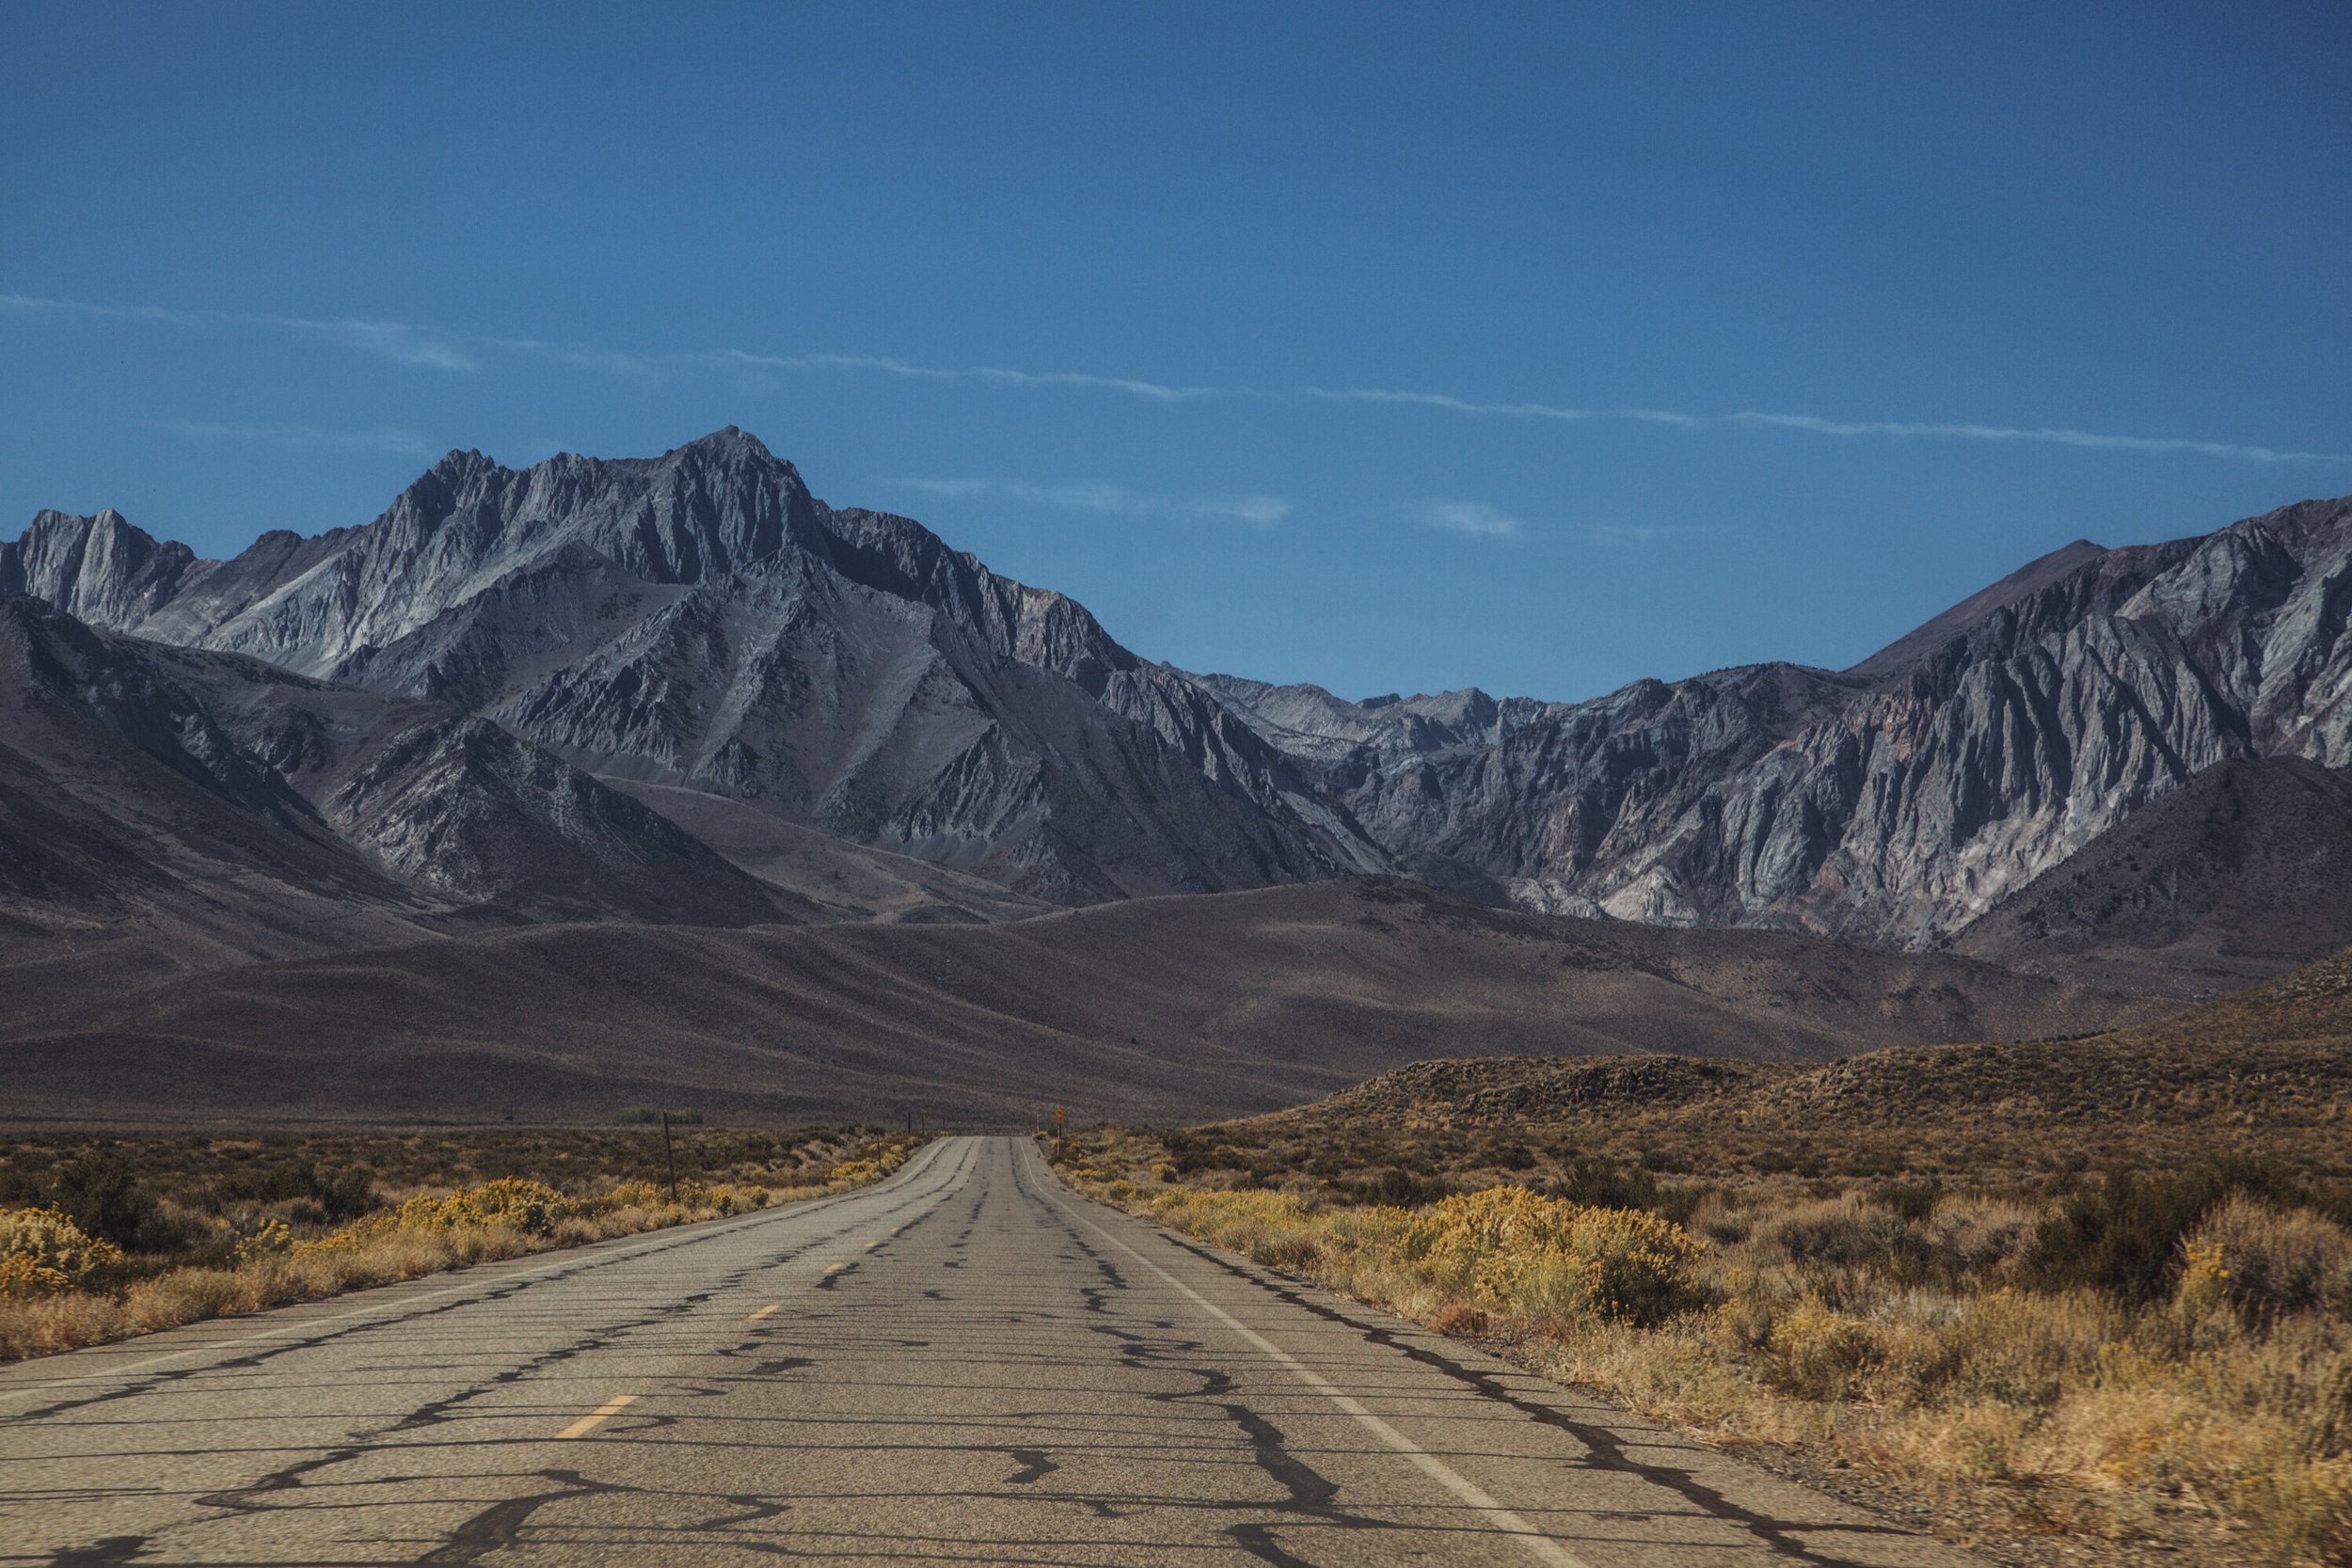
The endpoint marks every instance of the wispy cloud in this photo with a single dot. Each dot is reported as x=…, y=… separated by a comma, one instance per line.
x=1155, y=390
x=407, y=343
x=1505, y=410
x=398, y=341
x=404, y=443
x=1116, y=499
x=1474, y=519
x=2057, y=435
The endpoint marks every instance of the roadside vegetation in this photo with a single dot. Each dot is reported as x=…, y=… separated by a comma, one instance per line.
x=103, y=1238
x=2059, y=1346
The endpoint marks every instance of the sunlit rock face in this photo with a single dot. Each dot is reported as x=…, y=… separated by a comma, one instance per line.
x=1895, y=801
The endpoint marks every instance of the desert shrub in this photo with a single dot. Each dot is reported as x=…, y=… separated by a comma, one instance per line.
x=1292, y=1251
x=2332, y=1434
x=1543, y=1256
x=98, y=1192
x=2126, y=1233
x=2274, y=1262
x=2204, y=1283
x=345, y=1193
x=1846, y=1236
x=1818, y=1354
x=1600, y=1185
x=1399, y=1188
x=2122, y=1235
x=339, y=1193
x=1459, y=1320
x=273, y=1240
x=1970, y=1238
x=2303, y=1513
x=42, y=1250
x=1916, y=1202
x=1714, y=1216
x=1682, y=1202
x=512, y=1201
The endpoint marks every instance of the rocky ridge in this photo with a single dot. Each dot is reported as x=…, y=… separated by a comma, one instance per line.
x=700, y=620
x=1895, y=802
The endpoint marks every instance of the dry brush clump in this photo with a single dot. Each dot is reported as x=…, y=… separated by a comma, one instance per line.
x=2124, y=1350
x=62, y=1287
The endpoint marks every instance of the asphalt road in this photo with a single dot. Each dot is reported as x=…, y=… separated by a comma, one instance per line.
x=966, y=1364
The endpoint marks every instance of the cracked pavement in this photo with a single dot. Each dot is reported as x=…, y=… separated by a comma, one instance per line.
x=966, y=1364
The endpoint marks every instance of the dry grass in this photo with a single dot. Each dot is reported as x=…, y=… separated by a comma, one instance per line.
x=63, y=1290
x=2084, y=1355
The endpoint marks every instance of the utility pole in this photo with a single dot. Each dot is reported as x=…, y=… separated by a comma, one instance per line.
x=1060, y=1118
x=669, y=1155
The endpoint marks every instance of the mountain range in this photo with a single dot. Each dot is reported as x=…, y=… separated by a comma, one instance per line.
x=684, y=691
x=707, y=638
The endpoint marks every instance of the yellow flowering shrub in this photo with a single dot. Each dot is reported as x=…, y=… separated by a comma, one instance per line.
x=42, y=1250
x=2204, y=1283
x=512, y=1201
x=273, y=1239
x=1540, y=1256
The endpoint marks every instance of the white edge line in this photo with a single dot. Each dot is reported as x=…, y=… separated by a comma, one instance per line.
x=571, y=1258
x=1541, y=1547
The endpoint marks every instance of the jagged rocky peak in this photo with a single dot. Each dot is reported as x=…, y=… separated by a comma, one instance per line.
x=700, y=621
x=696, y=511
x=99, y=567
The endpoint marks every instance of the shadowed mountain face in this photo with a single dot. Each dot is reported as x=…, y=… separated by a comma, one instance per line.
x=700, y=621
x=2242, y=873
x=700, y=625
x=163, y=809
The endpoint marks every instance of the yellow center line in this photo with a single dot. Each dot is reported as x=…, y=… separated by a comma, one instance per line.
x=871, y=1246
x=765, y=1310
x=836, y=1268
x=587, y=1423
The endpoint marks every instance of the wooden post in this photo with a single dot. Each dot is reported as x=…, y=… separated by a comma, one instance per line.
x=669, y=1155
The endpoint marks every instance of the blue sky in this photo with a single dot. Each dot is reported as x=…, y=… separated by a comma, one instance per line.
x=1538, y=347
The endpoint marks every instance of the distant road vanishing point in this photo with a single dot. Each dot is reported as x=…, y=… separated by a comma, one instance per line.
x=966, y=1364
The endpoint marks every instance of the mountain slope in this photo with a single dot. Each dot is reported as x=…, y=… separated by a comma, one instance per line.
x=1896, y=802
x=2244, y=872
x=138, y=840
x=164, y=809
x=699, y=620
x=1153, y=1009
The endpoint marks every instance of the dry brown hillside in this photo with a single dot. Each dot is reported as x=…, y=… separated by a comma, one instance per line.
x=1152, y=1010
x=2267, y=1071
